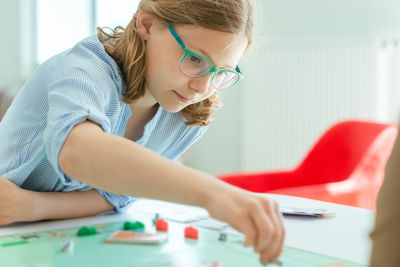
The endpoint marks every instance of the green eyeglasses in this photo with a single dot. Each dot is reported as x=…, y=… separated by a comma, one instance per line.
x=194, y=65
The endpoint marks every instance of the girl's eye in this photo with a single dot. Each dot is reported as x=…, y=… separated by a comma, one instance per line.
x=195, y=59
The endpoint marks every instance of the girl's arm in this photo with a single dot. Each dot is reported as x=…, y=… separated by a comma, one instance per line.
x=19, y=205
x=115, y=164
x=65, y=205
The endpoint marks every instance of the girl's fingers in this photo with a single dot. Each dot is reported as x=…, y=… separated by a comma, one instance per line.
x=265, y=228
x=272, y=253
x=282, y=234
x=281, y=226
x=244, y=224
x=250, y=233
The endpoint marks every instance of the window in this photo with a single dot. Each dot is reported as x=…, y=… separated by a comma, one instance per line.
x=60, y=24
x=114, y=13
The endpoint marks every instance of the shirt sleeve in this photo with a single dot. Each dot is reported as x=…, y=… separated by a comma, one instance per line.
x=120, y=202
x=77, y=93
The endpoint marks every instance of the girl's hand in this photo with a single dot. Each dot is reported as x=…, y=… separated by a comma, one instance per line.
x=258, y=218
x=15, y=203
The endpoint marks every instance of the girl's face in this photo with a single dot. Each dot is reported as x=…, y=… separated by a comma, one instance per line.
x=165, y=82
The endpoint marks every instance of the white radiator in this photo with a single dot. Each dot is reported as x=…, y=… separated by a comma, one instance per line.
x=295, y=91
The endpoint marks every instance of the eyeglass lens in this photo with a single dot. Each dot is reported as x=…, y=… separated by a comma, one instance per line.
x=195, y=66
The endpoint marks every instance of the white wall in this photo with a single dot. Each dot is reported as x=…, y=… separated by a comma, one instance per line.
x=10, y=40
x=330, y=18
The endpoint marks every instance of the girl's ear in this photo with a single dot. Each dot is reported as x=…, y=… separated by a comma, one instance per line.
x=144, y=23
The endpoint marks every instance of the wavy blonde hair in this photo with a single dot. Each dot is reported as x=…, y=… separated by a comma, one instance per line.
x=128, y=48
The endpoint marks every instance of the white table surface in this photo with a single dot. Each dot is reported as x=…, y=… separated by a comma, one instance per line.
x=345, y=235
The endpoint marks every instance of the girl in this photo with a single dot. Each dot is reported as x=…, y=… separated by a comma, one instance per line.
x=103, y=121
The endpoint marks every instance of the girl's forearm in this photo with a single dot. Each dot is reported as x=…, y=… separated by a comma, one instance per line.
x=117, y=165
x=66, y=205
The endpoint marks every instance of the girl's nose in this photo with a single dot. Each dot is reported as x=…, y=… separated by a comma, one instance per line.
x=202, y=84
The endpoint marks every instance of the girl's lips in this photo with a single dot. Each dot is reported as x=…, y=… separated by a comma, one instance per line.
x=181, y=98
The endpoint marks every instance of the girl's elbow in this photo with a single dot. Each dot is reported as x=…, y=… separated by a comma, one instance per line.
x=66, y=159
x=68, y=156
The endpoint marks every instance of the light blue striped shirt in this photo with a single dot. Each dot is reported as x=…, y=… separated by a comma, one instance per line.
x=82, y=83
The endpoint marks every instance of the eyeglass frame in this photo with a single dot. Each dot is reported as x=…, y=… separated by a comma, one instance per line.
x=212, y=69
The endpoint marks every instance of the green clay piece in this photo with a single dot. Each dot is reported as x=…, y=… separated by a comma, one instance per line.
x=133, y=225
x=14, y=243
x=84, y=231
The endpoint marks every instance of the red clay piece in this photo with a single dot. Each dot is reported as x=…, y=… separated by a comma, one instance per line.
x=191, y=232
x=161, y=225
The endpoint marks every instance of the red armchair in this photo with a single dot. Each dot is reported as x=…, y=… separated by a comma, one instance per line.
x=345, y=166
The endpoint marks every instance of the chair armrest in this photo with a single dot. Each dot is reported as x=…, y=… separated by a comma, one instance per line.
x=260, y=182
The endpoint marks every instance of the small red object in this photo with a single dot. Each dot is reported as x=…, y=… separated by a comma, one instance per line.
x=161, y=225
x=191, y=232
